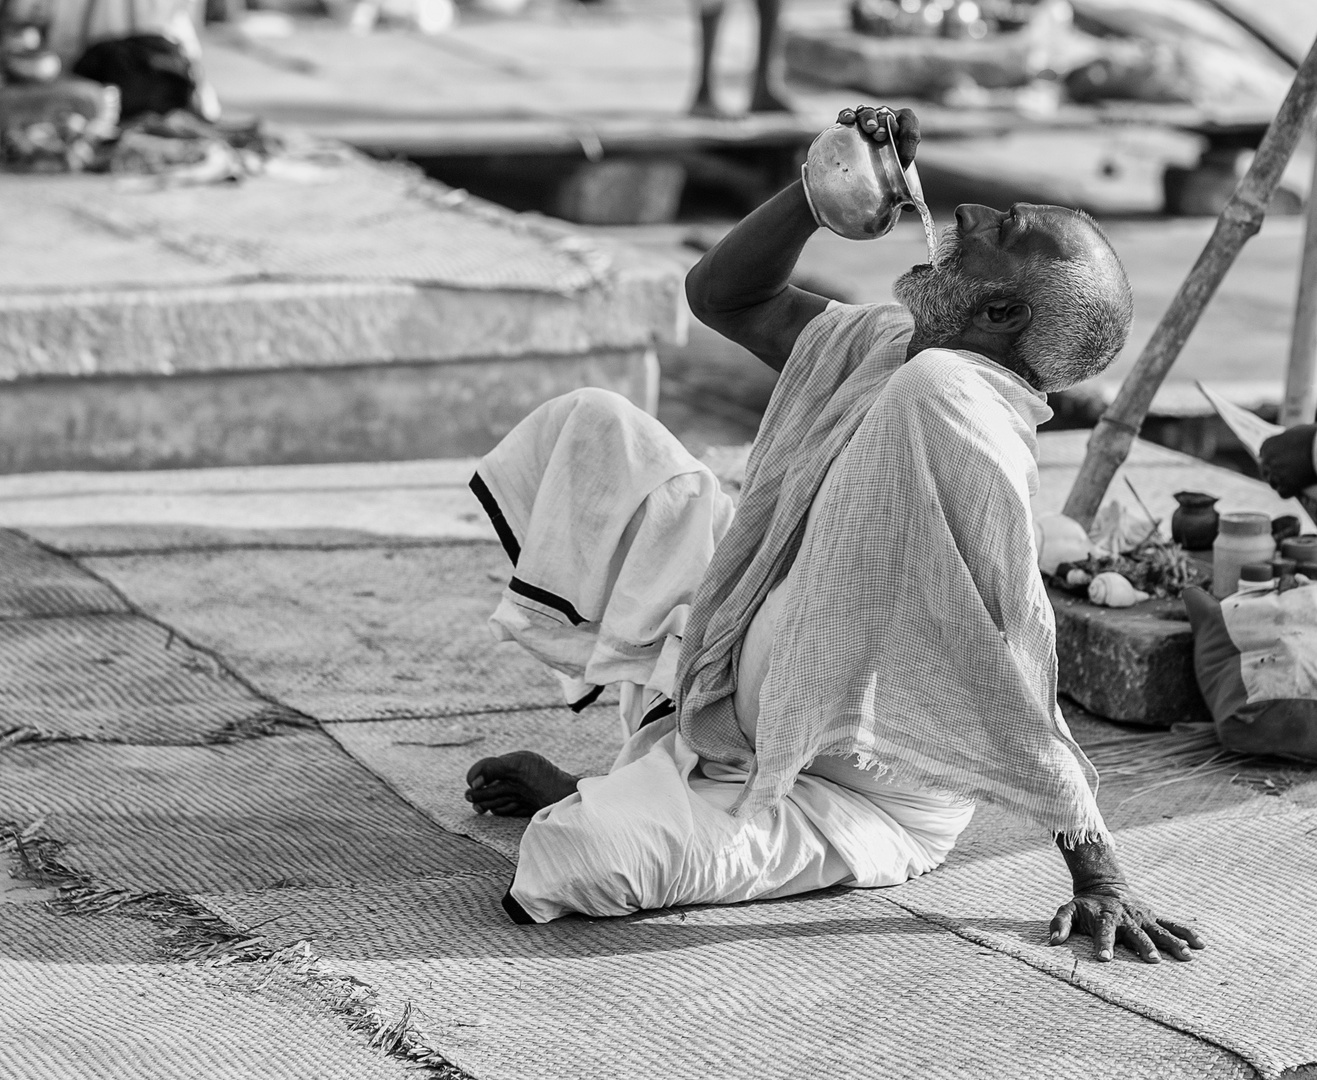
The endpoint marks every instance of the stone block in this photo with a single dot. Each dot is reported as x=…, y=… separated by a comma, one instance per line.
x=1129, y=664
x=375, y=412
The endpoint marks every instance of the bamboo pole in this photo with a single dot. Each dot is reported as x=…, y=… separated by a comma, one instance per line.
x=1301, y=375
x=1110, y=443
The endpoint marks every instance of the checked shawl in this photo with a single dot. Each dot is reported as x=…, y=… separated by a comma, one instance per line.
x=916, y=631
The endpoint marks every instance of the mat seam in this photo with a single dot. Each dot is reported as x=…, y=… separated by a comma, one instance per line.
x=138, y=610
x=411, y=806
x=984, y=941
x=495, y=710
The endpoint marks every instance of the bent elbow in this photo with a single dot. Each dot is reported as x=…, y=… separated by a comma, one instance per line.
x=697, y=293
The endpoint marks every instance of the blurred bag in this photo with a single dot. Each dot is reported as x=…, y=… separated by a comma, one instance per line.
x=153, y=73
x=1255, y=656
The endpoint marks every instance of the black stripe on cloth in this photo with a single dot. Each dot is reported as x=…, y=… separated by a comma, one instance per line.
x=581, y=704
x=516, y=912
x=548, y=599
x=496, y=518
x=666, y=707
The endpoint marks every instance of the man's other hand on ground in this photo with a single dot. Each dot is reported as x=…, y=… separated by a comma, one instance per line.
x=1112, y=916
x=1105, y=908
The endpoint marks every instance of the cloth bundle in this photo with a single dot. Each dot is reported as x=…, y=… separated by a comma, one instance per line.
x=1256, y=661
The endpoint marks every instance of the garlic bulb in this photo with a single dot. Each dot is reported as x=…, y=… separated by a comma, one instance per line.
x=1110, y=589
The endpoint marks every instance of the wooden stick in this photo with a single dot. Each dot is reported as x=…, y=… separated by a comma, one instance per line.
x=1301, y=375
x=1110, y=443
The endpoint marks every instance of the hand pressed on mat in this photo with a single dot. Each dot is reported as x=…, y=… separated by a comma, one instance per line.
x=1107, y=910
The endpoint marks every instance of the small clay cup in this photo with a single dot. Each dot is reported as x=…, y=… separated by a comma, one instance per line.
x=1195, y=522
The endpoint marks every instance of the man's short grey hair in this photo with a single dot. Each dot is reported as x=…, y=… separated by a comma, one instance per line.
x=1082, y=312
x=1081, y=309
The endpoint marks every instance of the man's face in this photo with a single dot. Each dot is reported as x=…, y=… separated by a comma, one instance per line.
x=983, y=257
x=997, y=244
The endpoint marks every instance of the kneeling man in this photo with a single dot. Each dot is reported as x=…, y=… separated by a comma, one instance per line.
x=817, y=687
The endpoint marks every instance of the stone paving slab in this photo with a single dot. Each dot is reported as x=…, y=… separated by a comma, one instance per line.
x=340, y=505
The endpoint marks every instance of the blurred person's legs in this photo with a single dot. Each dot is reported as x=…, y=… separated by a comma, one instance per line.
x=766, y=94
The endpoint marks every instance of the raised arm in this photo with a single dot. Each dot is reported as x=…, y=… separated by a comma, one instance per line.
x=1105, y=908
x=740, y=287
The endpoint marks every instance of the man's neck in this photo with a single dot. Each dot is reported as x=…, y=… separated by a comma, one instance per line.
x=988, y=348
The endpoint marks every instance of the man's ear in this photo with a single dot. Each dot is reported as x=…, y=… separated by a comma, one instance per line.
x=1008, y=316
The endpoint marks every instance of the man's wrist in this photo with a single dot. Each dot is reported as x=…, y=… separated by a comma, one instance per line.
x=1093, y=867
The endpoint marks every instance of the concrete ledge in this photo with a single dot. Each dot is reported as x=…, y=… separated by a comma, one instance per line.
x=349, y=413
x=267, y=325
x=1129, y=664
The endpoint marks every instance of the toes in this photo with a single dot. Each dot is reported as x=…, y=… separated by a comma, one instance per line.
x=510, y=808
x=494, y=791
x=475, y=776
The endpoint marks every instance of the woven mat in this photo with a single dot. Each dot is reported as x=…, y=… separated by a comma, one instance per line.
x=36, y=582
x=1240, y=866
x=89, y=999
x=121, y=678
x=348, y=634
x=358, y=221
x=290, y=809
x=412, y=758
x=837, y=985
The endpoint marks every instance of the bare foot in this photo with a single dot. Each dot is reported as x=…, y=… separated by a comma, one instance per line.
x=517, y=784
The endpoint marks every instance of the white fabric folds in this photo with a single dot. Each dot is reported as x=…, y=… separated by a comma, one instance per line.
x=916, y=633
x=656, y=833
x=610, y=524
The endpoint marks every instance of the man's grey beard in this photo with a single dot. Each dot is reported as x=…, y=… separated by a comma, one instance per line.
x=940, y=297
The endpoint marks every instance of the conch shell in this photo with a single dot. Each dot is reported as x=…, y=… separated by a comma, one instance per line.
x=1110, y=589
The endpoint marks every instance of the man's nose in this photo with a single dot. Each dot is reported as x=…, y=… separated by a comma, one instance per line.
x=971, y=216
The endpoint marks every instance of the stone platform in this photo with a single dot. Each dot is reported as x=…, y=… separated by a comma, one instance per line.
x=332, y=310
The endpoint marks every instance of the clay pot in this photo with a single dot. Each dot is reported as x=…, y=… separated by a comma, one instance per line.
x=1194, y=524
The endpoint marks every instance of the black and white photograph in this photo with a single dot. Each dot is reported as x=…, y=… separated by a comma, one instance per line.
x=658, y=539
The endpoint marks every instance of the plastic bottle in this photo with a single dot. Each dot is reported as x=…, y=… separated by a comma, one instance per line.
x=1243, y=538
x=1256, y=577
x=1300, y=549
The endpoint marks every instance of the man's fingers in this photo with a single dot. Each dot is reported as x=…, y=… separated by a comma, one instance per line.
x=1104, y=935
x=1061, y=923
x=1167, y=941
x=475, y=775
x=1185, y=932
x=846, y=116
x=907, y=136
x=1137, y=941
x=868, y=120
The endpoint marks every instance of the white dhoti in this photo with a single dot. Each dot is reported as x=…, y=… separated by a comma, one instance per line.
x=656, y=832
